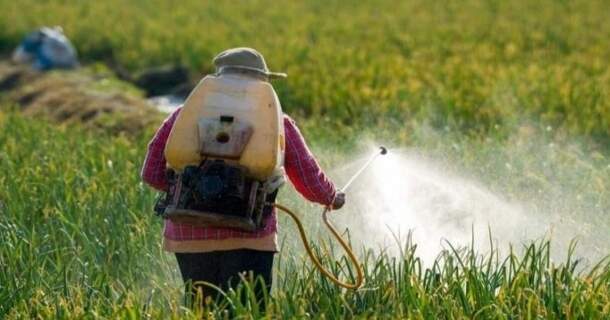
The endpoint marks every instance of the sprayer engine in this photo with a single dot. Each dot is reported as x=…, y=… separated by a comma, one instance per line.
x=214, y=181
x=217, y=187
x=216, y=194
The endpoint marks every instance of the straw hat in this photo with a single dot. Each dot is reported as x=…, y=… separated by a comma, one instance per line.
x=244, y=59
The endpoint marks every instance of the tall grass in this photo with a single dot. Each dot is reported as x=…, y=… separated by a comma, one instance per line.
x=79, y=240
x=78, y=237
x=470, y=64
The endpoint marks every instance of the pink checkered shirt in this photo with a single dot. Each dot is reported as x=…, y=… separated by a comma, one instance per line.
x=301, y=168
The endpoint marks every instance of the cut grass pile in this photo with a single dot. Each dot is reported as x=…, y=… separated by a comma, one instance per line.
x=91, y=96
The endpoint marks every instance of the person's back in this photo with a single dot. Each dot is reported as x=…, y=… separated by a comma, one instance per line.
x=218, y=254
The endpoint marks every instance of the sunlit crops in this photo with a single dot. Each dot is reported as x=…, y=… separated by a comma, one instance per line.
x=466, y=64
x=77, y=235
x=78, y=239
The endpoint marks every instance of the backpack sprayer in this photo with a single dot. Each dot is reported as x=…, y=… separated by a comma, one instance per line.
x=329, y=225
x=226, y=153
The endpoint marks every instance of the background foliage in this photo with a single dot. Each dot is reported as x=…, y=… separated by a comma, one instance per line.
x=515, y=93
x=466, y=64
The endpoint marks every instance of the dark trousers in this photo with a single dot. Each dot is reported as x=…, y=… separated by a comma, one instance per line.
x=223, y=269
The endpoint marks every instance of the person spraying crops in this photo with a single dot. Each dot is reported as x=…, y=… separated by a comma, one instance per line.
x=221, y=159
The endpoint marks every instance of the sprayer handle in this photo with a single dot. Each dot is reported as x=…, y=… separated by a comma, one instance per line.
x=339, y=201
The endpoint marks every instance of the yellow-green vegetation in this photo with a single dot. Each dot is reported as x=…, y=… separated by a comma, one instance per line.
x=79, y=240
x=516, y=93
x=465, y=64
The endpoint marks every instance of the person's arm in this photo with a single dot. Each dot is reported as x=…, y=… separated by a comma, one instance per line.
x=153, y=169
x=304, y=172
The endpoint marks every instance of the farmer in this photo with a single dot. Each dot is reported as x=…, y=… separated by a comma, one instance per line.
x=220, y=255
x=46, y=48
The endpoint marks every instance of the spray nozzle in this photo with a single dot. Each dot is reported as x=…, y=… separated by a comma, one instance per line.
x=383, y=150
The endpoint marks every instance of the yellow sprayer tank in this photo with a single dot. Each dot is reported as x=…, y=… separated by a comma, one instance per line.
x=221, y=110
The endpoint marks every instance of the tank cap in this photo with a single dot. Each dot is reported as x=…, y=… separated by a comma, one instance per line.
x=227, y=119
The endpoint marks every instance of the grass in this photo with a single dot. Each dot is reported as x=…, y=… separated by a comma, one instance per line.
x=515, y=94
x=469, y=65
x=79, y=240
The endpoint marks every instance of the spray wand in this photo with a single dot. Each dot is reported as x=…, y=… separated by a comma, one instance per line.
x=382, y=151
x=359, y=272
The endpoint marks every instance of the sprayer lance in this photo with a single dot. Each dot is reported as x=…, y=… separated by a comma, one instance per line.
x=382, y=151
x=343, y=243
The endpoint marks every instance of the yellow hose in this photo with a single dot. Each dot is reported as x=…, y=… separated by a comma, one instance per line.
x=346, y=247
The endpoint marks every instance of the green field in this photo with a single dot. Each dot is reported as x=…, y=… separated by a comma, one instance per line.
x=509, y=99
x=79, y=240
x=470, y=65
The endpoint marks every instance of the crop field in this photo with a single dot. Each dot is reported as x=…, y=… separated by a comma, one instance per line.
x=79, y=240
x=497, y=113
x=470, y=65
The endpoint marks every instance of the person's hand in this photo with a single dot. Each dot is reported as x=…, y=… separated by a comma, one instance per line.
x=339, y=201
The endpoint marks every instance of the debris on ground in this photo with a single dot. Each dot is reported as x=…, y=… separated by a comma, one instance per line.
x=46, y=49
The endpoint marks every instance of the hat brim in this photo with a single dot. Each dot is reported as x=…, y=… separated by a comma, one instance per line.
x=272, y=75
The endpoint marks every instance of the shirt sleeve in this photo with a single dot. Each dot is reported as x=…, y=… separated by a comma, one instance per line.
x=302, y=168
x=153, y=169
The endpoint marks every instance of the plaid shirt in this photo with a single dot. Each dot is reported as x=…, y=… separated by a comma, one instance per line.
x=301, y=168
